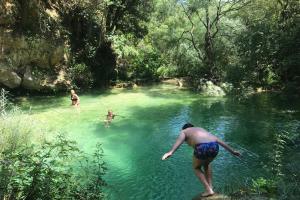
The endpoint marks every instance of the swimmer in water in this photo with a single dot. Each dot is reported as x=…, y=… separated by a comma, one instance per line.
x=109, y=117
x=74, y=98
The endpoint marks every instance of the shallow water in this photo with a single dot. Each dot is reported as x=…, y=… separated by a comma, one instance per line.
x=149, y=121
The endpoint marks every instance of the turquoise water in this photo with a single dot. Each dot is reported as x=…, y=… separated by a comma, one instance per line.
x=149, y=121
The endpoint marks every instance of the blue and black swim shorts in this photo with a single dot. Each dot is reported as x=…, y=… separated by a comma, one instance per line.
x=204, y=151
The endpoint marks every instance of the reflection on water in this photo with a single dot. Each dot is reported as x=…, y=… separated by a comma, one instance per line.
x=148, y=123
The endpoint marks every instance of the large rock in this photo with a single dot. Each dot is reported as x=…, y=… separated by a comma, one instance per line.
x=209, y=89
x=60, y=82
x=57, y=56
x=22, y=51
x=32, y=63
x=227, y=87
x=10, y=78
x=29, y=81
x=45, y=82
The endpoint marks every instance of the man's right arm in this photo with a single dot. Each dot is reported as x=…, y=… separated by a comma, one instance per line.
x=179, y=141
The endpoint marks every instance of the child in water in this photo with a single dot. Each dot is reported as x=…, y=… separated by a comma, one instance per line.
x=206, y=148
x=109, y=117
x=74, y=98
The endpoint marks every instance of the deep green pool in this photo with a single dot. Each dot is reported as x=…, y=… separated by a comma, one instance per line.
x=149, y=122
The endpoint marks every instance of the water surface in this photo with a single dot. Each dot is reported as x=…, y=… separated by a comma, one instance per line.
x=149, y=121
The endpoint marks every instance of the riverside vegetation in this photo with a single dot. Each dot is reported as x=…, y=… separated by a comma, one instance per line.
x=48, y=45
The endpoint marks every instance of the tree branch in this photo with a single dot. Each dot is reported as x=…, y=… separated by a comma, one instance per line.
x=217, y=18
x=186, y=13
x=199, y=53
x=232, y=6
x=201, y=19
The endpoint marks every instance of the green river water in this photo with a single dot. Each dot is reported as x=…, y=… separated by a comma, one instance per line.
x=149, y=122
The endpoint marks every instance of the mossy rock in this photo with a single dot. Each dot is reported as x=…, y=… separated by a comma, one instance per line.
x=208, y=88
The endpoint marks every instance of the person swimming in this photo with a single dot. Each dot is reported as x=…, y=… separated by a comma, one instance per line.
x=109, y=117
x=74, y=98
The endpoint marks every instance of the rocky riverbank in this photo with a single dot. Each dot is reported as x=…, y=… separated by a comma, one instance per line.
x=32, y=63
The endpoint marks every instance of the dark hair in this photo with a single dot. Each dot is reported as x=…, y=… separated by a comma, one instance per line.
x=187, y=125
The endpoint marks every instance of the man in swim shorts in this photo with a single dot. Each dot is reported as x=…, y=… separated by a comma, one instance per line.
x=206, y=148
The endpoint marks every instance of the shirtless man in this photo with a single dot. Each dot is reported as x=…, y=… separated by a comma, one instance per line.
x=206, y=148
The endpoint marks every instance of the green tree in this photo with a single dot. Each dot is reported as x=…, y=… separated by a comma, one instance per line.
x=205, y=19
x=269, y=46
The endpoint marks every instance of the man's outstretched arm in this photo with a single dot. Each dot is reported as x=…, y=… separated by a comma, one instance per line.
x=228, y=148
x=177, y=144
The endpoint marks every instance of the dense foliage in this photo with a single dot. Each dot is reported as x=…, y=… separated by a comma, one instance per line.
x=83, y=27
x=247, y=43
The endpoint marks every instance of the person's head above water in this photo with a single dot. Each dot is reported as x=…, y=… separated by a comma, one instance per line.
x=187, y=125
x=109, y=112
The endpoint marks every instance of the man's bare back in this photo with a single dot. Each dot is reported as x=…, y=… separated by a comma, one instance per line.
x=196, y=135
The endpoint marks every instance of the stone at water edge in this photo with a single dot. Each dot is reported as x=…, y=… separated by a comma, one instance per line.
x=10, y=78
x=213, y=197
x=208, y=88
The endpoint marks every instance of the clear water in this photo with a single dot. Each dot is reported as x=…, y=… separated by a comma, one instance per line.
x=149, y=122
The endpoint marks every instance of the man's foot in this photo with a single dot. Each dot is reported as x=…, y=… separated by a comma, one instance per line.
x=207, y=194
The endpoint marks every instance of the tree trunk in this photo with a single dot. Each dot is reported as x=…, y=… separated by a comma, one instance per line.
x=208, y=48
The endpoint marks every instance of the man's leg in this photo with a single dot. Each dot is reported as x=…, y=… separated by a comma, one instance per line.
x=208, y=172
x=199, y=173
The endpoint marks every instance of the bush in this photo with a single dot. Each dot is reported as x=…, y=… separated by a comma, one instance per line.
x=165, y=71
x=282, y=178
x=81, y=75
